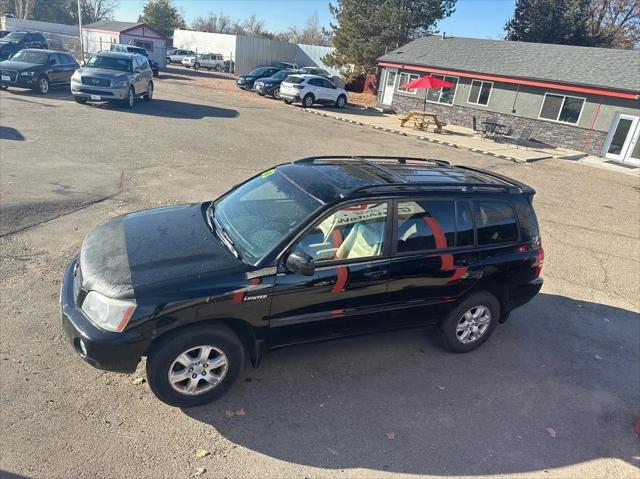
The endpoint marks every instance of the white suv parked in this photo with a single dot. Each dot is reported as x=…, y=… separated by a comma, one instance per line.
x=311, y=89
x=210, y=61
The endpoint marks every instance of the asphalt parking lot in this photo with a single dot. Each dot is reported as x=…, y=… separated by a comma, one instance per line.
x=554, y=393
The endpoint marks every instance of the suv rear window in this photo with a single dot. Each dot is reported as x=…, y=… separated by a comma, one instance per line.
x=293, y=79
x=495, y=222
x=433, y=224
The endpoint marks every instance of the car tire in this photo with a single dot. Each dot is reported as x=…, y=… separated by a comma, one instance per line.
x=276, y=93
x=149, y=95
x=43, y=85
x=288, y=102
x=341, y=102
x=131, y=98
x=218, y=68
x=4, y=87
x=165, y=365
x=196, y=66
x=308, y=100
x=471, y=323
x=81, y=100
x=168, y=61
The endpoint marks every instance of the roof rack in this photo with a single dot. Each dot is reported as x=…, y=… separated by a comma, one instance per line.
x=439, y=185
x=367, y=158
x=510, y=181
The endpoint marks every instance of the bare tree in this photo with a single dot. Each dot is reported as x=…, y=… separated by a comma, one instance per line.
x=96, y=10
x=24, y=8
x=311, y=34
x=212, y=23
x=615, y=23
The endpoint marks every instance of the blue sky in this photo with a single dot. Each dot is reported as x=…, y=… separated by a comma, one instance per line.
x=472, y=18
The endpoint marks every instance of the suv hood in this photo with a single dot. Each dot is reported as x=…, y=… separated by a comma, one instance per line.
x=151, y=247
x=104, y=73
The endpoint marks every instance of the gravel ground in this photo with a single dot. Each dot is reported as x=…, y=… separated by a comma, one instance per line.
x=554, y=393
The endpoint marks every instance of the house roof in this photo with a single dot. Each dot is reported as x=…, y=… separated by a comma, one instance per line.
x=115, y=26
x=597, y=67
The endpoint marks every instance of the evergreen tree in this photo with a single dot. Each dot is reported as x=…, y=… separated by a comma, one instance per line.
x=162, y=15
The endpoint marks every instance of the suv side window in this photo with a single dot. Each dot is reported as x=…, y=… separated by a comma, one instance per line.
x=426, y=225
x=53, y=59
x=144, y=64
x=327, y=84
x=495, y=222
x=356, y=231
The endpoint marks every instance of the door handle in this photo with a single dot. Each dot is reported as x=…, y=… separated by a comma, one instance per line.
x=376, y=274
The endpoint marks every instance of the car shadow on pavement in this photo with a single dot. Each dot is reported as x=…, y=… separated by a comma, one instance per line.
x=9, y=133
x=57, y=93
x=556, y=385
x=173, y=109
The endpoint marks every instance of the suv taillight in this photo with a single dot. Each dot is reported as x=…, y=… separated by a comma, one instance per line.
x=540, y=261
x=298, y=87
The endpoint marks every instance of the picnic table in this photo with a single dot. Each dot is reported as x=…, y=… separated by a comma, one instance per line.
x=422, y=120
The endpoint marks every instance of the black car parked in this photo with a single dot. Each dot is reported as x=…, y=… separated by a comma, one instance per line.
x=315, y=249
x=271, y=85
x=16, y=41
x=38, y=70
x=247, y=80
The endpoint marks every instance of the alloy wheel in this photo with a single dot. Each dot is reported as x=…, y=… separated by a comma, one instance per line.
x=131, y=98
x=473, y=324
x=44, y=85
x=198, y=370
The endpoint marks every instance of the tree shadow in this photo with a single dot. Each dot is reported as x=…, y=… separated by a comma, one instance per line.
x=397, y=402
x=172, y=109
x=182, y=73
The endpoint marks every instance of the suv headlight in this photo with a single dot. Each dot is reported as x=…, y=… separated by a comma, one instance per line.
x=109, y=314
x=119, y=83
x=76, y=77
x=27, y=74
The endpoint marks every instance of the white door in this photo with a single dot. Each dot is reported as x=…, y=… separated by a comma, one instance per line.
x=623, y=142
x=389, y=87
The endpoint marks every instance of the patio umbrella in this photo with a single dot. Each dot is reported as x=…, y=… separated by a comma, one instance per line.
x=427, y=81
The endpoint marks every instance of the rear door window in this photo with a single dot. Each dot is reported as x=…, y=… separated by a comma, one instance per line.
x=433, y=224
x=496, y=222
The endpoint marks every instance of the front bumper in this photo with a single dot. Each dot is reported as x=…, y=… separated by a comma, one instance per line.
x=21, y=81
x=101, y=349
x=98, y=93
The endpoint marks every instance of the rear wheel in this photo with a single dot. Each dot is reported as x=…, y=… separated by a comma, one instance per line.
x=276, y=93
x=80, y=100
x=288, y=102
x=471, y=323
x=196, y=66
x=308, y=100
x=196, y=366
x=168, y=61
x=43, y=85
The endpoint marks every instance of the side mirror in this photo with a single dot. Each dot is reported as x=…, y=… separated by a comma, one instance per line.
x=301, y=263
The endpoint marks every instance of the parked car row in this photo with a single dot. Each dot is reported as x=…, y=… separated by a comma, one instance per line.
x=107, y=76
x=16, y=41
x=308, y=85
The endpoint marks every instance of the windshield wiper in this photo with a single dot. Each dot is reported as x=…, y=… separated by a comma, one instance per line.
x=223, y=235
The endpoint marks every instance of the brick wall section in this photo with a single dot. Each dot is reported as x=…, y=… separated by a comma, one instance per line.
x=555, y=134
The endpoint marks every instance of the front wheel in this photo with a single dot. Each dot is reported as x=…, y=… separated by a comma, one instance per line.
x=168, y=61
x=471, y=323
x=43, y=85
x=80, y=100
x=131, y=98
x=341, y=102
x=149, y=95
x=196, y=66
x=196, y=366
x=4, y=87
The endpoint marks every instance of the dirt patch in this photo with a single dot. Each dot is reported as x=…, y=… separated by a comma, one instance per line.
x=362, y=99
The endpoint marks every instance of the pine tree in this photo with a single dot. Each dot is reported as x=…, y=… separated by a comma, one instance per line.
x=162, y=15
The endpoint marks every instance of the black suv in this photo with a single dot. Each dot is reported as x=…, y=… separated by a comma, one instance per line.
x=16, y=41
x=316, y=249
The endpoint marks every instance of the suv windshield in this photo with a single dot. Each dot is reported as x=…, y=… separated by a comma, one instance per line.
x=257, y=71
x=16, y=36
x=36, y=57
x=110, y=63
x=281, y=75
x=260, y=214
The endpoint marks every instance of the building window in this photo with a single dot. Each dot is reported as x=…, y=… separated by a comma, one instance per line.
x=480, y=92
x=407, y=78
x=443, y=95
x=561, y=108
x=148, y=46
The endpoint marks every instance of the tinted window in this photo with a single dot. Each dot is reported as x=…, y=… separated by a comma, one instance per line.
x=464, y=224
x=315, y=82
x=356, y=231
x=528, y=221
x=327, y=84
x=426, y=225
x=144, y=65
x=495, y=222
x=18, y=36
x=53, y=59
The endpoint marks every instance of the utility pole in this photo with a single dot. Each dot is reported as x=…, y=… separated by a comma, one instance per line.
x=80, y=27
